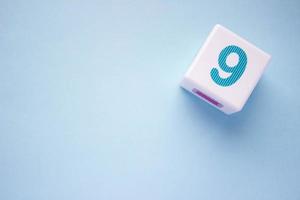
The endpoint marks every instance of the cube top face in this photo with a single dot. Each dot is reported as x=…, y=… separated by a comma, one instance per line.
x=227, y=68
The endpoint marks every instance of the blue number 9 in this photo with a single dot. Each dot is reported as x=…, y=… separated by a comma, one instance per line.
x=236, y=71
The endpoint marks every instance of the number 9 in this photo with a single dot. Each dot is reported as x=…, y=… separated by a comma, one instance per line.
x=236, y=71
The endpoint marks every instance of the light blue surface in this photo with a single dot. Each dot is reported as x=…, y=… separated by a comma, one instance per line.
x=91, y=108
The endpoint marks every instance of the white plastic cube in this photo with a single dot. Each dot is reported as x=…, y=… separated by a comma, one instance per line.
x=225, y=70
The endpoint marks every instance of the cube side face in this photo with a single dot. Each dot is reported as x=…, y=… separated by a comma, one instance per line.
x=207, y=96
x=232, y=95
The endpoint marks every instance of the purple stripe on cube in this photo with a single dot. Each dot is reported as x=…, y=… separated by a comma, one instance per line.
x=207, y=98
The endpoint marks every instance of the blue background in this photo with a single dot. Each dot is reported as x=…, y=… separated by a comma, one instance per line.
x=91, y=108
